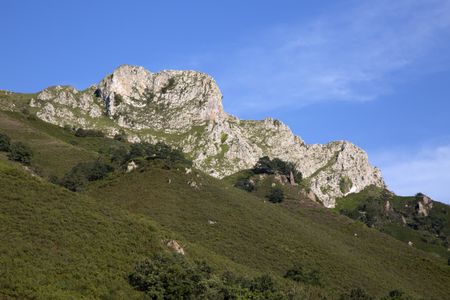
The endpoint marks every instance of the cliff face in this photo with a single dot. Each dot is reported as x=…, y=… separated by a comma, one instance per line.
x=184, y=109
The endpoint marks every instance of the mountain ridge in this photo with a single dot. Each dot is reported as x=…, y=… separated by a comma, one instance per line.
x=184, y=109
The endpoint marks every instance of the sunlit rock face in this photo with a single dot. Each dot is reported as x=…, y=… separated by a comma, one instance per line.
x=184, y=109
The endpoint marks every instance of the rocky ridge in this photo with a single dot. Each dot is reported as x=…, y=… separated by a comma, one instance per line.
x=184, y=109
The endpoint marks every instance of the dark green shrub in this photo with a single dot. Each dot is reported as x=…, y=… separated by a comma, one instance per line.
x=396, y=295
x=21, y=153
x=300, y=273
x=121, y=137
x=5, y=142
x=448, y=261
x=170, y=276
x=80, y=132
x=276, y=195
x=170, y=85
x=81, y=174
x=245, y=184
x=263, y=166
x=356, y=294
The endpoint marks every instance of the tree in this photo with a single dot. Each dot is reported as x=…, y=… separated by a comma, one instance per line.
x=5, y=142
x=21, y=153
x=263, y=166
x=276, y=195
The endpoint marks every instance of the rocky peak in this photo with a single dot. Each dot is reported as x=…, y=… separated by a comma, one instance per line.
x=169, y=100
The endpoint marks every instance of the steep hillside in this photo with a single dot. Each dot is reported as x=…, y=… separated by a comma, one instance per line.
x=59, y=244
x=184, y=109
x=417, y=220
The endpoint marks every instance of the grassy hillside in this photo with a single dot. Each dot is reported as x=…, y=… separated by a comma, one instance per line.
x=269, y=238
x=430, y=233
x=57, y=244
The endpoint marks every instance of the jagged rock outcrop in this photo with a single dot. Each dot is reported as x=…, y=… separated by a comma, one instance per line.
x=424, y=204
x=184, y=109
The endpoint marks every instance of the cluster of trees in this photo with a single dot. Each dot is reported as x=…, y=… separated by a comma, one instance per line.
x=17, y=151
x=172, y=276
x=141, y=153
x=265, y=165
x=78, y=177
x=80, y=132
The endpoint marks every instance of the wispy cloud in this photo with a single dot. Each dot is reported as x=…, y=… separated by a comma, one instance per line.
x=347, y=55
x=426, y=171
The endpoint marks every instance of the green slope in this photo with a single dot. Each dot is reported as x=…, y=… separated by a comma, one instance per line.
x=429, y=233
x=64, y=245
x=270, y=238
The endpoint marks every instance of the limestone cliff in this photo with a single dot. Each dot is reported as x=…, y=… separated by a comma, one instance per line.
x=184, y=109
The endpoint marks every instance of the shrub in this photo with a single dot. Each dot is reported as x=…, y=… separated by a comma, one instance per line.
x=169, y=276
x=21, y=153
x=245, y=184
x=356, y=294
x=80, y=132
x=5, y=142
x=396, y=295
x=81, y=174
x=172, y=276
x=170, y=85
x=276, y=195
x=300, y=273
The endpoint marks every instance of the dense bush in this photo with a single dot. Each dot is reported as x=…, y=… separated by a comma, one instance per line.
x=5, y=142
x=80, y=132
x=303, y=274
x=396, y=295
x=356, y=294
x=276, y=195
x=81, y=174
x=172, y=276
x=276, y=166
x=21, y=153
x=158, y=151
x=245, y=184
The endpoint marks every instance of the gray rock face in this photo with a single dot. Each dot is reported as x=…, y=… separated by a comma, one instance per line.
x=184, y=109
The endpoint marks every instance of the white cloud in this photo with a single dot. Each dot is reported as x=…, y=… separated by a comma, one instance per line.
x=350, y=55
x=427, y=171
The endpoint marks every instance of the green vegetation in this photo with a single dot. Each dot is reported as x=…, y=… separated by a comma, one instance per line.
x=300, y=273
x=276, y=195
x=265, y=165
x=356, y=294
x=5, y=142
x=399, y=217
x=21, y=153
x=345, y=184
x=103, y=242
x=80, y=132
x=172, y=276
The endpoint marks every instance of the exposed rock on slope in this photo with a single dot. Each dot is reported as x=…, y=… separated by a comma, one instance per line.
x=184, y=109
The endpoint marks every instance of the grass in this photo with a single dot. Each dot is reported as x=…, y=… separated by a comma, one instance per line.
x=55, y=244
x=269, y=238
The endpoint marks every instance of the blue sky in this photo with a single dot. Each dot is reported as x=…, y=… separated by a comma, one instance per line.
x=376, y=73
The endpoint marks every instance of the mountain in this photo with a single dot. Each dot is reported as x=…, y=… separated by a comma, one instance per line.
x=184, y=109
x=59, y=244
